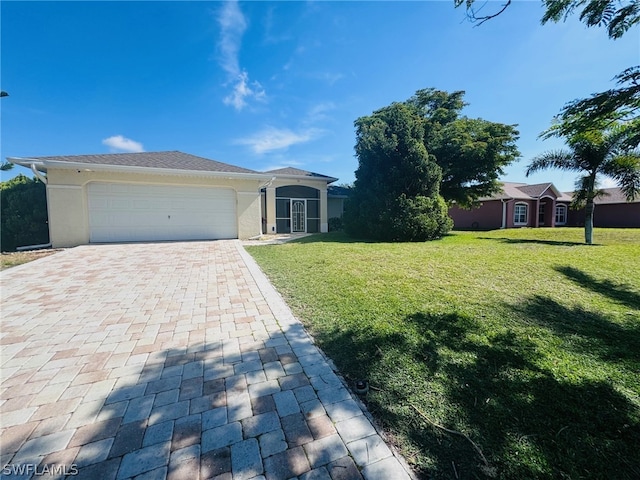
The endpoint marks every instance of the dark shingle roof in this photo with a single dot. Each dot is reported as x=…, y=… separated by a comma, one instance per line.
x=301, y=173
x=613, y=195
x=523, y=191
x=534, y=190
x=171, y=160
x=338, y=191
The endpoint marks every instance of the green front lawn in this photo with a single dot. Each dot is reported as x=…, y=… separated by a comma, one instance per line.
x=527, y=341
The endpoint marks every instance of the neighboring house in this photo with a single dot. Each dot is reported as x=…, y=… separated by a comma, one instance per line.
x=517, y=205
x=611, y=210
x=154, y=196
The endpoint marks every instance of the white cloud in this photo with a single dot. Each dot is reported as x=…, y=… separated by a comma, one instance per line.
x=271, y=138
x=123, y=144
x=232, y=24
x=319, y=111
x=329, y=77
x=242, y=90
x=232, y=27
x=607, y=182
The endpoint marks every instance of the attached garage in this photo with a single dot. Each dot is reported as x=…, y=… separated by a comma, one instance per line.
x=146, y=197
x=120, y=212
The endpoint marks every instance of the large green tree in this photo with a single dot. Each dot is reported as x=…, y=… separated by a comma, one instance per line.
x=23, y=213
x=396, y=191
x=617, y=16
x=472, y=152
x=621, y=103
x=593, y=153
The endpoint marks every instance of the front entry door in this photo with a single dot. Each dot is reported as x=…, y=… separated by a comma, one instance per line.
x=298, y=214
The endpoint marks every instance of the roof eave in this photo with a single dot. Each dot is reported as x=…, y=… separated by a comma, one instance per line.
x=305, y=177
x=89, y=167
x=27, y=162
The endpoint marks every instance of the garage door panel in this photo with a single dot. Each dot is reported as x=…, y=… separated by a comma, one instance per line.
x=129, y=212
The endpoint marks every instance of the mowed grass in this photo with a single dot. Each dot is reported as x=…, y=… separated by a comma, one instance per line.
x=527, y=341
x=13, y=259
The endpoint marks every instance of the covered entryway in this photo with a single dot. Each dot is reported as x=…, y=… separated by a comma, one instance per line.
x=122, y=212
x=297, y=209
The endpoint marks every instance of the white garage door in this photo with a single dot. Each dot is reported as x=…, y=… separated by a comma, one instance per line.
x=128, y=213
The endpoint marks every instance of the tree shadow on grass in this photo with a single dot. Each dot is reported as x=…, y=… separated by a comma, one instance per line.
x=534, y=241
x=528, y=422
x=342, y=237
x=332, y=237
x=584, y=331
x=618, y=292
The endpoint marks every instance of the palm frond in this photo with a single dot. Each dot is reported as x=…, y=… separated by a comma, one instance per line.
x=560, y=159
x=625, y=170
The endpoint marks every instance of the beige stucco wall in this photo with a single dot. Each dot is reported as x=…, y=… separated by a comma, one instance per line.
x=67, y=200
x=68, y=217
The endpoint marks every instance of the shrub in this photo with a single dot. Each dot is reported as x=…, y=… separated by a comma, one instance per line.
x=23, y=214
x=335, y=224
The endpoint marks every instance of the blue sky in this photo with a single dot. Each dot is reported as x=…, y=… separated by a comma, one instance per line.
x=270, y=84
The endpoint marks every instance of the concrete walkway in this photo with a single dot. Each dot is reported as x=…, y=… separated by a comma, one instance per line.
x=170, y=360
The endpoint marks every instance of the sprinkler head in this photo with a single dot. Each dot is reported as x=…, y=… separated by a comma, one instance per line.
x=361, y=387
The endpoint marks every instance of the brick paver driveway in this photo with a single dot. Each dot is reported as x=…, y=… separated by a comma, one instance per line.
x=169, y=360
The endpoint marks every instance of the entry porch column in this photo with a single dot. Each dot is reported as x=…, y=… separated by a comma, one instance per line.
x=324, y=222
x=270, y=202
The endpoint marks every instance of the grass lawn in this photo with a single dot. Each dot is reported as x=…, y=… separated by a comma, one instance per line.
x=11, y=259
x=527, y=341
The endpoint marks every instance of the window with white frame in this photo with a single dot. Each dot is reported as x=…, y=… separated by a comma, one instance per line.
x=561, y=214
x=520, y=214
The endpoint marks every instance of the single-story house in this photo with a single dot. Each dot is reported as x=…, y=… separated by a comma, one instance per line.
x=154, y=196
x=517, y=205
x=543, y=205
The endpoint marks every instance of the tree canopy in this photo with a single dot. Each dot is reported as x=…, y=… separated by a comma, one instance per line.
x=621, y=104
x=396, y=191
x=416, y=155
x=472, y=152
x=617, y=16
x=618, y=104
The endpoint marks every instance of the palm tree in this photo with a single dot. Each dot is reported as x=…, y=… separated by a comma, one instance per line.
x=594, y=153
x=6, y=166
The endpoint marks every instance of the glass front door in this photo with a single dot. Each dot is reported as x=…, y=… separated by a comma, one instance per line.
x=298, y=216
